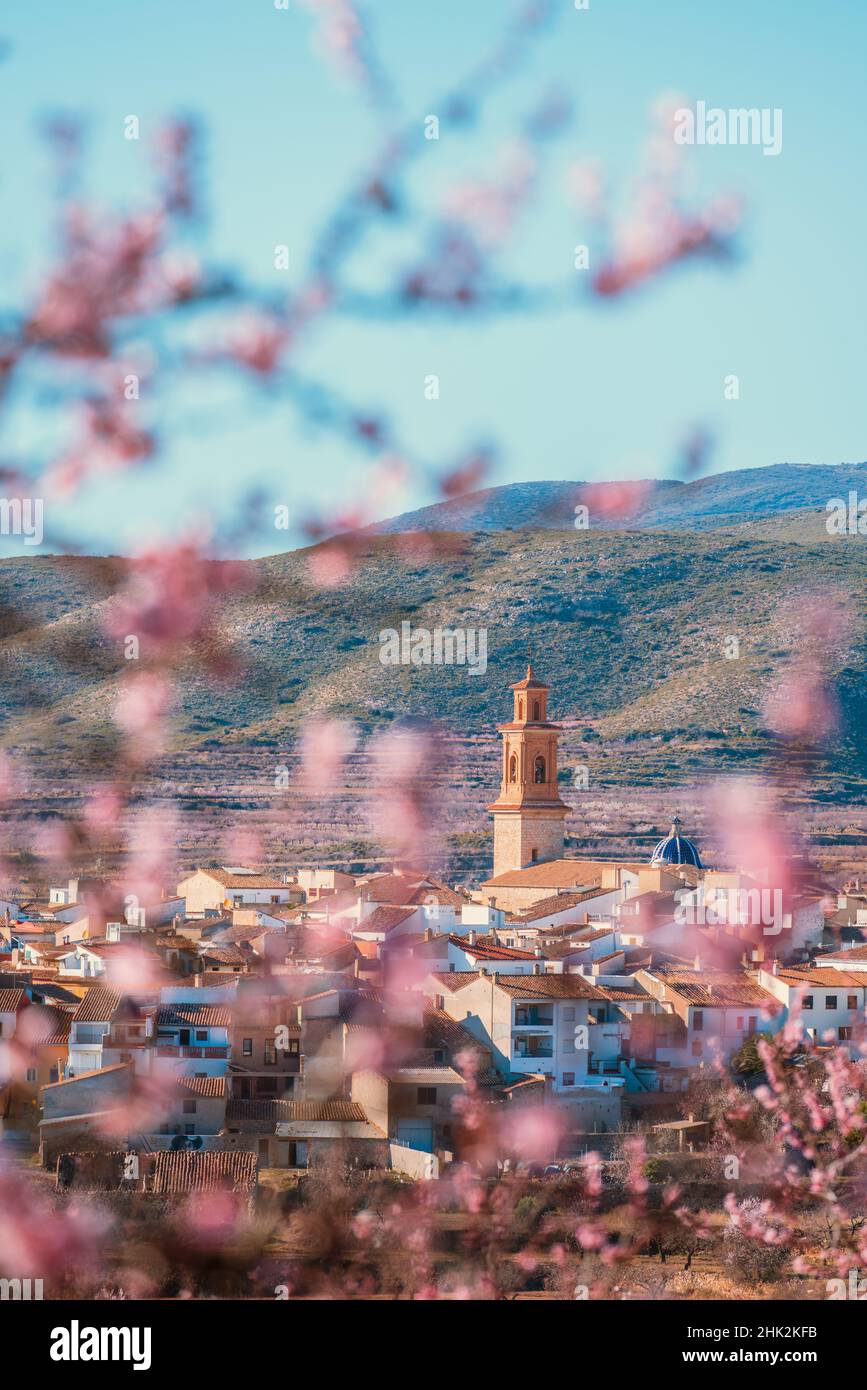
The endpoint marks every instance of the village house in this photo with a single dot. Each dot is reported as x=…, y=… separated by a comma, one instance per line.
x=827, y=1000
x=302, y=1134
x=265, y=1059
x=219, y=889
x=413, y=1105
x=711, y=1012
x=193, y=1026
x=560, y=1026
x=323, y=883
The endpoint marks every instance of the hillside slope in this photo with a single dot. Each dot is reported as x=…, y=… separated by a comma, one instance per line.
x=629, y=627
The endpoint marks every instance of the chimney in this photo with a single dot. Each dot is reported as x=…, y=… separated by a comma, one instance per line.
x=428, y=934
x=696, y=965
x=482, y=971
x=471, y=938
x=537, y=951
x=197, y=980
x=537, y=969
x=775, y=966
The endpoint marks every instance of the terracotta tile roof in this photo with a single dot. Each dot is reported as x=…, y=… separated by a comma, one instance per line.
x=854, y=953
x=48, y=1026
x=425, y=1076
x=226, y=955
x=443, y=1031
x=489, y=950
x=210, y=1087
x=234, y=936
x=384, y=919
x=198, y=1015
x=557, y=902
x=713, y=988
x=829, y=977
x=556, y=873
x=531, y=986
x=258, y=1114
x=548, y=986
x=561, y=949
x=227, y=880
x=409, y=891
x=210, y=1171
x=455, y=979
x=622, y=993
x=11, y=1000
x=98, y=1006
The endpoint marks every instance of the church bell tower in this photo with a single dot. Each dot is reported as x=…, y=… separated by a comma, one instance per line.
x=528, y=813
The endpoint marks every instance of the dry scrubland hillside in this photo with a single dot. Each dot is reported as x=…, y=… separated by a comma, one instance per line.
x=628, y=624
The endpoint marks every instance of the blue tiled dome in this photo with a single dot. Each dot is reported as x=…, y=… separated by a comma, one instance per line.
x=676, y=848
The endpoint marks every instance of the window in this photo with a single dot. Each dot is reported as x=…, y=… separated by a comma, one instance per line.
x=534, y=856
x=568, y=1078
x=513, y=768
x=439, y=1056
x=851, y=1001
x=844, y=1034
x=830, y=1001
x=190, y=1106
x=270, y=1054
x=807, y=1002
x=539, y=769
x=247, y=1047
x=426, y=1095
x=536, y=711
x=696, y=1047
x=32, y=1074
x=698, y=1021
x=520, y=709
x=201, y=1035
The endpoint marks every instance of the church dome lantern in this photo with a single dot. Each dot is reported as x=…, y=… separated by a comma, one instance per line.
x=676, y=848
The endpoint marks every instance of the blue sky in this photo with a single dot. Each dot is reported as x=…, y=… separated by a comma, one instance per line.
x=598, y=391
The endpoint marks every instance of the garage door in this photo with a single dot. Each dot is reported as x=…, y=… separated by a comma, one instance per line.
x=416, y=1134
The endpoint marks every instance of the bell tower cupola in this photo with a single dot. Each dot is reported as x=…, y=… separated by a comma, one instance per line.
x=528, y=813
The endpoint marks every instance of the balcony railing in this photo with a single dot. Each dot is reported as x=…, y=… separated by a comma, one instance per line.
x=173, y=1050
